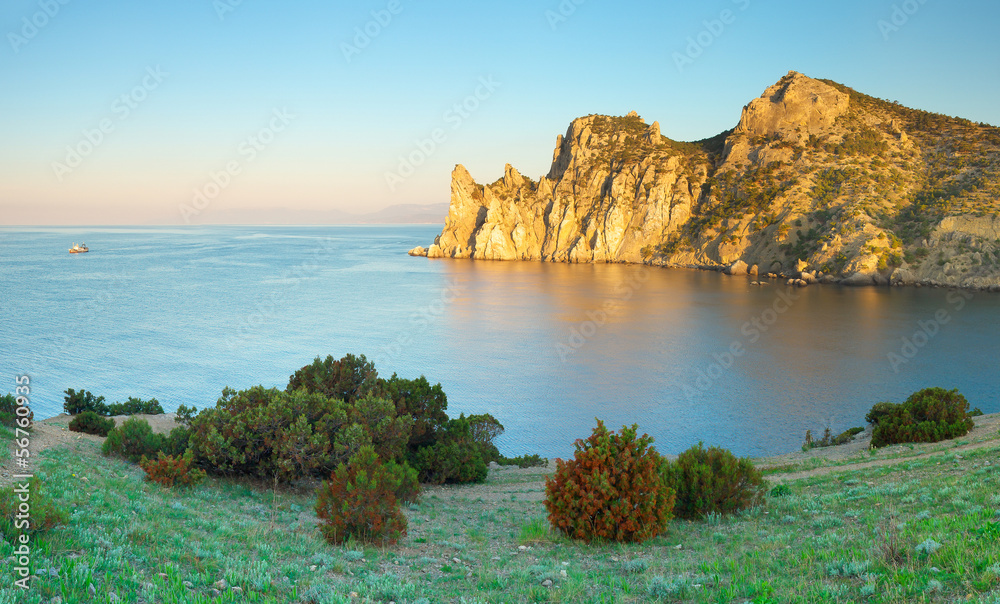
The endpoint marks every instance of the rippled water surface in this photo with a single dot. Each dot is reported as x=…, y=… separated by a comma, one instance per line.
x=180, y=313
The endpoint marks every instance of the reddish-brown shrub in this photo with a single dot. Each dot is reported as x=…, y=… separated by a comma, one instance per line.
x=360, y=500
x=168, y=470
x=611, y=489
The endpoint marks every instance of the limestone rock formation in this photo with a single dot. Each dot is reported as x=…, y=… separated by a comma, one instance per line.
x=816, y=182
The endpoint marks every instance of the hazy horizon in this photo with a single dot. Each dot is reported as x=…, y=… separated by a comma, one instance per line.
x=197, y=113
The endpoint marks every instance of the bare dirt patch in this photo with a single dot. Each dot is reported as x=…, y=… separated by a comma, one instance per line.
x=54, y=432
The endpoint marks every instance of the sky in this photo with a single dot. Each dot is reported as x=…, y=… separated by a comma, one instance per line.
x=259, y=111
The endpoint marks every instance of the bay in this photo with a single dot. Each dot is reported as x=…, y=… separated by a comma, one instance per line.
x=178, y=313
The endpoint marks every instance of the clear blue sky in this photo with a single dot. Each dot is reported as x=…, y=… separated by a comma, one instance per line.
x=200, y=78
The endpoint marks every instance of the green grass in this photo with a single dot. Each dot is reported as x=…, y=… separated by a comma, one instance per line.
x=844, y=537
x=894, y=452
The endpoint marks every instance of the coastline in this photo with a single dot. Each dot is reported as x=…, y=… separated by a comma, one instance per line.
x=800, y=279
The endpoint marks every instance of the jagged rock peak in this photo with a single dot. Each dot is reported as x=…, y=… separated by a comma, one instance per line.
x=796, y=106
x=512, y=179
x=653, y=134
x=461, y=174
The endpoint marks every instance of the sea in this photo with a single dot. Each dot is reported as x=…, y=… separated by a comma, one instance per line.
x=179, y=313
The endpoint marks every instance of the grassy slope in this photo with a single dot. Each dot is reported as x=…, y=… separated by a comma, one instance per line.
x=818, y=544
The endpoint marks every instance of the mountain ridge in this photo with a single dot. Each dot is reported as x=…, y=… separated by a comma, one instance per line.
x=816, y=182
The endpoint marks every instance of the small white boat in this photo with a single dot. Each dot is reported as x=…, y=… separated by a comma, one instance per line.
x=79, y=249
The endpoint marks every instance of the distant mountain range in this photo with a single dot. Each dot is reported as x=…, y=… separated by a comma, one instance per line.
x=406, y=213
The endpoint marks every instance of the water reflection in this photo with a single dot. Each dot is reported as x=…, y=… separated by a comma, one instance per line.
x=553, y=346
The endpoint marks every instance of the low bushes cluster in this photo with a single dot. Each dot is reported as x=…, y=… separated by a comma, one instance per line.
x=92, y=423
x=713, y=481
x=82, y=401
x=336, y=420
x=327, y=413
x=928, y=415
x=135, y=406
x=617, y=487
x=331, y=411
x=524, y=461
x=611, y=489
x=170, y=470
x=829, y=440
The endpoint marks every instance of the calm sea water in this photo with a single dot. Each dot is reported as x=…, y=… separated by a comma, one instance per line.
x=180, y=313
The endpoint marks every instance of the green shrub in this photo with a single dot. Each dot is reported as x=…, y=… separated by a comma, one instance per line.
x=349, y=379
x=360, y=501
x=781, y=490
x=713, y=480
x=78, y=402
x=451, y=461
x=135, y=406
x=880, y=410
x=8, y=411
x=426, y=404
x=354, y=378
x=177, y=442
x=459, y=455
x=374, y=421
x=133, y=440
x=92, y=423
x=524, y=461
x=612, y=489
x=170, y=471
x=928, y=415
x=45, y=515
x=266, y=433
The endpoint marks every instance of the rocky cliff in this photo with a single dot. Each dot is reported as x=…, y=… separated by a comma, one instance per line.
x=815, y=182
